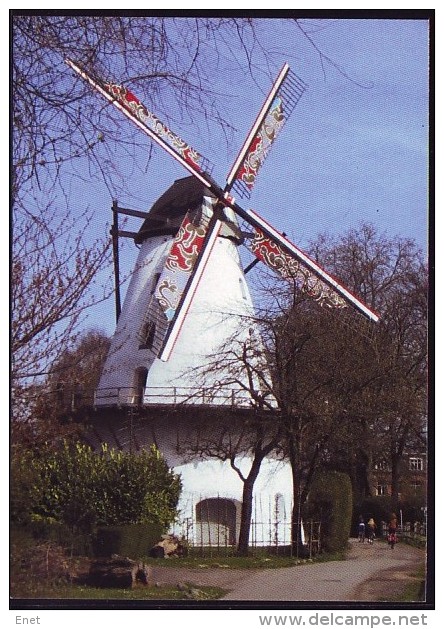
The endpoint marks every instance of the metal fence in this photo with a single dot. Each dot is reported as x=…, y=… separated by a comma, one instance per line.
x=214, y=527
x=212, y=396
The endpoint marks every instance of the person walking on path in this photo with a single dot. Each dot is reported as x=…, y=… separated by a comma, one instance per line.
x=371, y=531
x=361, y=529
x=392, y=530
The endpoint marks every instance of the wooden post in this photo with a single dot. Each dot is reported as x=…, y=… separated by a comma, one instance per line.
x=115, y=241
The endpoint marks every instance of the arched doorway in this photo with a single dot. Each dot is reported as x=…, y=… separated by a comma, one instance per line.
x=216, y=522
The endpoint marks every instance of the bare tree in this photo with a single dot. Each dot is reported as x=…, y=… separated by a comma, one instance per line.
x=75, y=375
x=240, y=374
x=390, y=274
x=248, y=437
x=58, y=120
x=51, y=276
x=63, y=394
x=341, y=391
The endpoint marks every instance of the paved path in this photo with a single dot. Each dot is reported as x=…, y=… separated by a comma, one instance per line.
x=331, y=581
x=369, y=573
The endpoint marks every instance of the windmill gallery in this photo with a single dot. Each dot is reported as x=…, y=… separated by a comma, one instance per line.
x=175, y=318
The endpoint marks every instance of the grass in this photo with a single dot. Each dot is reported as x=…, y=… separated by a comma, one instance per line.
x=257, y=559
x=254, y=561
x=412, y=591
x=45, y=571
x=51, y=590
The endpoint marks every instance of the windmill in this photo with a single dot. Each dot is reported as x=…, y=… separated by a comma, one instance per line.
x=188, y=288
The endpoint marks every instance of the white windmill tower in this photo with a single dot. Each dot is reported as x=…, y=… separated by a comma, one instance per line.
x=188, y=293
x=169, y=240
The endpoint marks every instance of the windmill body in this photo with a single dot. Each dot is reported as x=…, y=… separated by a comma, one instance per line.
x=211, y=497
x=119, y=378
x=221, y=308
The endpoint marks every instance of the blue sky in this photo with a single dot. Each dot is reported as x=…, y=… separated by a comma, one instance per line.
x=355, y=148
x=356, y=153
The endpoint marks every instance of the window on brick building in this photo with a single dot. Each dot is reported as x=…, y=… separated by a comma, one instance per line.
x=381, y=465
x=416, y=464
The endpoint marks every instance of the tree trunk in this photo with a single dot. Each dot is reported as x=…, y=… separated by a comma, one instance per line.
x=395, y=481
x=397, y=453
x=247, y=507
x=363, y=466
x=296, y=539
x=301, y=486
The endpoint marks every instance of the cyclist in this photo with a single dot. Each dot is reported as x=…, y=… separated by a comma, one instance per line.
x=392, y=528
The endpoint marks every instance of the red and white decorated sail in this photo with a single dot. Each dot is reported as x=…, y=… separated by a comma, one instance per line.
x=276, y=110
x=283, y=257
x=181, y=275
x=122, y=98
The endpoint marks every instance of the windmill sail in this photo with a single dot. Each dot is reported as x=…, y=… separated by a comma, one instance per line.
x=276, y=110
x=280, y=254
x=172, y=281
x=182, y=270
x=292, y=268
x=184, y=296
x=133, y=109
x=180, y=263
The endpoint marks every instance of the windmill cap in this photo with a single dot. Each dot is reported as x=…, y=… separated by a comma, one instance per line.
x=167, y=213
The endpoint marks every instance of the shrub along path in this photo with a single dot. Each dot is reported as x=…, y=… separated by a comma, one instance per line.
x=370, y=573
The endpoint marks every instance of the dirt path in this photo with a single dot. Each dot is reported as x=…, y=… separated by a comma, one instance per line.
x=370, y=573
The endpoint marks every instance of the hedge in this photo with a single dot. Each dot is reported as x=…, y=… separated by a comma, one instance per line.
x=331, y=502
x=133, y=540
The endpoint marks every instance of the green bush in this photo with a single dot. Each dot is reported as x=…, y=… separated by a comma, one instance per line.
x=131, y=540
x=25, y=488
x=82, y=489
x=330, y=502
